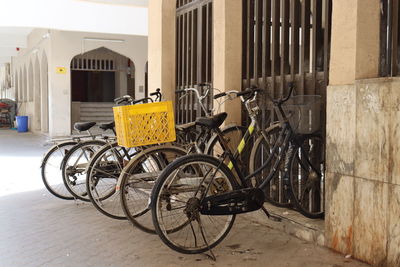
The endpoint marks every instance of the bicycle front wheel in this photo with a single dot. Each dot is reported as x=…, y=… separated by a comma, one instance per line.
x=307, y=176
x=74, y=167
x=176, y=199
x=51, y=170
x=137, y=180
x=102, y=175
x=260, y=154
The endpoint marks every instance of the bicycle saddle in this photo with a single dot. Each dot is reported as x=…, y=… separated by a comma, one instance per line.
x=185, y=127
x=84, y=126
x=107, y=126
x=212, y=121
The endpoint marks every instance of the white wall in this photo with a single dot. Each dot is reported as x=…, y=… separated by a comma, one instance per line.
x=60, y=47
x=73, y=15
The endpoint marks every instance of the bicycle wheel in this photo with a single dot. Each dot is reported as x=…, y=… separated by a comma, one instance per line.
x=261, y=152
x=306, y=176
x=137, y=180
x=233, y=136
x=51, y=170
x=74, y=167
x=176, y=198
x=102, y=175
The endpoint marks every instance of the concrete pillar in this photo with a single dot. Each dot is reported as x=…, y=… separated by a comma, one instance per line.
x=355, y=41
x=227, y=53
x=362, y=135
x=161, y=44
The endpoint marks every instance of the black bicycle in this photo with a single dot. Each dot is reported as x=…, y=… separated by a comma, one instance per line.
x=196, y=198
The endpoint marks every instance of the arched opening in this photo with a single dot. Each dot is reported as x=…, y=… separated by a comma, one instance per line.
x=97, y=78
x=30, y=82
x=44, y=95
x=25, y=86
x=37, y=96
x=16, y=86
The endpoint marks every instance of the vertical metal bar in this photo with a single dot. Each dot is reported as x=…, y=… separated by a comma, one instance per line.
x=383, y=38
x=294, y=37
x=275, y=43
x=395, y=34
x=210, y=42
x=256, y=40
x=313, y=55
x=267, y=43
x=305, y=18
x=207, y=47
x=249, y=25
x=284, y=43
x=327, y=23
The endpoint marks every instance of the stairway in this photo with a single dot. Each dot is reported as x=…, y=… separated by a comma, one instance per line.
x=96, y=111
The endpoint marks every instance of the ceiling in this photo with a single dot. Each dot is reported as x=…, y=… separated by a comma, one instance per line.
x=10, y=39
x=19, y=17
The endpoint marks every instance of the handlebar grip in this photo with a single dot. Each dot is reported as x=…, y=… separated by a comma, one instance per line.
x=144, y=100
x=153, y=94
x=118, y=99
x=219, y=95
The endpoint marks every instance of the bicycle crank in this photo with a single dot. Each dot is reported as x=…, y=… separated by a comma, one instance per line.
x=234, y=202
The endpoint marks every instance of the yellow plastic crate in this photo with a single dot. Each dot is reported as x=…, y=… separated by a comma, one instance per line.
x=145, y=124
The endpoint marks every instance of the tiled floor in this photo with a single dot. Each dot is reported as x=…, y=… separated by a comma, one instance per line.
x=37, y=229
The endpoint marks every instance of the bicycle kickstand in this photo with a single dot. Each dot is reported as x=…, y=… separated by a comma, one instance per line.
x=271, y=217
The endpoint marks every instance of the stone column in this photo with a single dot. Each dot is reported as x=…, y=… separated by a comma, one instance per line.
x=227, y=53
x=161, y=53
x=361, y=136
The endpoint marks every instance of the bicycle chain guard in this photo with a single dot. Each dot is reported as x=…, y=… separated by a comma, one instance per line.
x=234, y=202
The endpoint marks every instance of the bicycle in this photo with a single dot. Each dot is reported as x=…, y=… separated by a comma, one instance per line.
x=138, y=177
x=212, y=198
x=106, y=165
x=51, y=171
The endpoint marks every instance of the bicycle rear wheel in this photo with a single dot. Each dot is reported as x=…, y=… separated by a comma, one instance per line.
x=74, y=167
x=176, y=199
x=102, y=175
x=137, y=180
x=307, y=177
x=51, y=170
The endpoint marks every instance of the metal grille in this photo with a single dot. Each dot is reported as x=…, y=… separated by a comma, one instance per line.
x=101, y=59
x=284, y=41
x=193, y=55
x=389, y=38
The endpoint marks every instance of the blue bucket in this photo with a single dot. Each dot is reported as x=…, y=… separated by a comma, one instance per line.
x=22, y=123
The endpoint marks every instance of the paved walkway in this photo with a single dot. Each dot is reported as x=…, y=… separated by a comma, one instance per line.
x=37, y=229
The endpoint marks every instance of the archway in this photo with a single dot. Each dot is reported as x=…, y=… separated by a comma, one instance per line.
x=44, y=95
x=37, y=96
x=30, y=82
x=16, y=86
x=97, y=78
x=25, y=86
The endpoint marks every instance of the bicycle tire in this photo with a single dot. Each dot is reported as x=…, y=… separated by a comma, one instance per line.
x=309, y=183
x=62, y=192
x=136, y=209
x=157, y=194
x=64, y=166
x=274, y=193
x=108, y=203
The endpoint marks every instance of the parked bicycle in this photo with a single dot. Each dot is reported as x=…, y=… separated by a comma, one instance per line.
x=196, y=198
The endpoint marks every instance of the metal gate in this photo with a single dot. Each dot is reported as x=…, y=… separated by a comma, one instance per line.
x=193, y=55
x=285, y=41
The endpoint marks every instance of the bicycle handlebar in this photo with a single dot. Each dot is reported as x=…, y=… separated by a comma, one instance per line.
x=144, y=100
